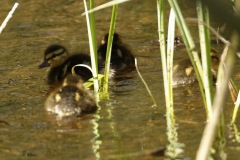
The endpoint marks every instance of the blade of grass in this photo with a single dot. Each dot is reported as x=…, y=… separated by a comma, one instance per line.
x=109, y=48
x=205, y=54
x=8, y=17
x=190, y=46
x=162, y=46
x=235, y=111
x=105, y=5
x=224, y=73
x=92, y=52
x=170, y=51
x=144, y=82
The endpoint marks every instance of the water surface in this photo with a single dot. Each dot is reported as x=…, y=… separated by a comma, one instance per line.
x=127, y=126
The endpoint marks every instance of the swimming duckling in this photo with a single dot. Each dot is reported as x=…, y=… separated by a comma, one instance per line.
x=121, y=57
x=71, y=98
x=183, y=72
x=61, y=63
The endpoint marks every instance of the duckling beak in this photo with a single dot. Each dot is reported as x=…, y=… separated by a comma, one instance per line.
x=44, y=64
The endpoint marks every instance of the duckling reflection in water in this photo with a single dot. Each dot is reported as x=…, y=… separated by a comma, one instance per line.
x=71, y=98
x=183, y=72
x=121, y=57
x=61, y=63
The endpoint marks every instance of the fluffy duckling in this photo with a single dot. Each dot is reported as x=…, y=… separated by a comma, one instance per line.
x=61, y=63
x=121, y=57
x=183, y=72
x=71, y=98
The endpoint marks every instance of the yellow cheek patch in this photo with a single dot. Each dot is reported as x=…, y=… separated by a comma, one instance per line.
x=57, y=97
x=77, y=96
x=189, y=70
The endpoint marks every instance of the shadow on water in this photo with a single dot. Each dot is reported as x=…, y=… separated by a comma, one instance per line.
x=126, y=126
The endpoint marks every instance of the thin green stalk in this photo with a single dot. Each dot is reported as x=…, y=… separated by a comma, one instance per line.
x=109, y=48
x=235, y=111
x=170, y=51
x=144, y=82
x=92, y=52
x=173, y=148
x=105, y=5
x=162, y=42
x=93, y=33
x=224, y=73
x=205, y=54
x=8, y=17
x=190, y=46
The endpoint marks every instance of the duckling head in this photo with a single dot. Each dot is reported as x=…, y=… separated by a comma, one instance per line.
x=73, y=80
x=71, y=98
x=116, y=39
x=53, y=56
x=215, y=59
x=121, y=56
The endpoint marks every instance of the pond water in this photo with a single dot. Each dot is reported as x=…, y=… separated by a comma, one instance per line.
x=127, y=126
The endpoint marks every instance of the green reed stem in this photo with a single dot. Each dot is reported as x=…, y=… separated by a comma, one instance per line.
x=190, y=46
x=3, y=25
x=224, y=73
x=93, y=32
x=144, y=82
x=235, y=111
x=204, y=35
x=109, y=48
x=170, y=51
x=173, y=149
x=162, y=44
x=93, y=53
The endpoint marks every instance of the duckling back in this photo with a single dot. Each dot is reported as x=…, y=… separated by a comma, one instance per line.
x=71, y=98
x=61, y=64
x=121, y=57
x=58, y=73
x=184, y=74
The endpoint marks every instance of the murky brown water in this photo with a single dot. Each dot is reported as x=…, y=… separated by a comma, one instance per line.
x=126, y=126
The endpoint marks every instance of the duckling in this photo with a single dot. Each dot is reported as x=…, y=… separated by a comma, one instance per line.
x=183, y=72
x=121, y=57
x=71, y=98
x=177, y=42
x=61, y=63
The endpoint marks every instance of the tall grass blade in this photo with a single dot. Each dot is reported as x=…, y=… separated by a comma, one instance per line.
x=109, y=49
x=144, y=82
x=190, y=46
x=92, y=52
x=170, y=51
x=8, y=17
x=105, y=5
x=162, y=45
x=235, y=111
x=224, y=73
x=205, y=54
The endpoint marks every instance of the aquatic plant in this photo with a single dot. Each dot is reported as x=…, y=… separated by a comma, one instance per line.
x=8, y=17
x=202, y=68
